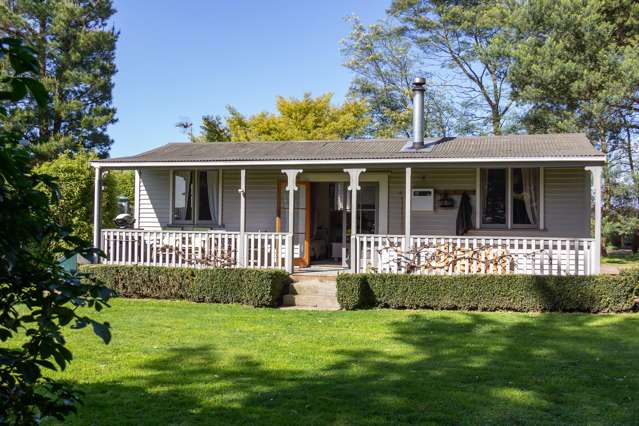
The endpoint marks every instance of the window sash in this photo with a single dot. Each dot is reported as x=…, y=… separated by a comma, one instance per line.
x=195, y=198
x=509, y=200
x=174, y=198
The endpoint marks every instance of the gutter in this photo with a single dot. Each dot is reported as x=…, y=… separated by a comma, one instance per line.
x=594, y=160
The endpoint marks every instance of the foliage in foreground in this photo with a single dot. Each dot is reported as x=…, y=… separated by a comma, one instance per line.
x=254, y=287
x=597, y=293
x=37, y=296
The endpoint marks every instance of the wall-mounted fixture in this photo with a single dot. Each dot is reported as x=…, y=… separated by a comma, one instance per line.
x=446, y=202
x=423, y=199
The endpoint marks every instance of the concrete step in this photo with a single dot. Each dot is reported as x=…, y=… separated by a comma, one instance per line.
x=313, y=288
x=303, y=278
x=311, y=301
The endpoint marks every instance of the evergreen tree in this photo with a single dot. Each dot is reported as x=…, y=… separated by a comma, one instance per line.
x=75, y=48
x=213, y=130
x=576, y=63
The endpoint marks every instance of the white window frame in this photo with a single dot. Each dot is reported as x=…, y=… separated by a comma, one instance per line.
x=195, y=202
x=509, y=201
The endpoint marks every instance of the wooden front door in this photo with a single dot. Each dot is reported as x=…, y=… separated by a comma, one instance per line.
x=302, y=232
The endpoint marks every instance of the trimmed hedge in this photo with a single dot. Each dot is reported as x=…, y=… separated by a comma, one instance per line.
x=600, y=293
x=254, y=287
x=353, y=291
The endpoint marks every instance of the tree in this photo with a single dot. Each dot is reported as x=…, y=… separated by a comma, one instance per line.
x=37, y=296
x=385, y=62
x=308, y=118
x=470, y=38
x=75, y=180
x=123, y=182
x=576, y=63
x=213, y=129
x=76, y=50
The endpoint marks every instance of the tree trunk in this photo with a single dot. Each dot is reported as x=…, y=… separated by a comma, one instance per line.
x=496, y=119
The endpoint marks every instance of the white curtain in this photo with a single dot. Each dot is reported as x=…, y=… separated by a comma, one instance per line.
x=211, y=187
x=185, y=203
x=530, y=178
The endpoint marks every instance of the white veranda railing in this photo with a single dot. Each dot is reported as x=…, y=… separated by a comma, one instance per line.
x=198, y=249
x=471, y=255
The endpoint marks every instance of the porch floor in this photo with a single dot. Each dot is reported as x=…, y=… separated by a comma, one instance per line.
x=320, y=269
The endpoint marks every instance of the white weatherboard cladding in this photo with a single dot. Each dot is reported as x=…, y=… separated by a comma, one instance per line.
x=566, y=199
x=154, y=200
x=568, y=202
x=261, y=200
x=437, y=222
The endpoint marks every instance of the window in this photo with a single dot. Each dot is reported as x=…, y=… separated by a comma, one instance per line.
x=195, y=191
x=182, y=196
x=493, y=188
x=367, y=211
x=525, y=194
x=367, y=208
x=510, y=197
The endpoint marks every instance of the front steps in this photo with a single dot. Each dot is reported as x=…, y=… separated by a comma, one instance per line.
x=312, y=292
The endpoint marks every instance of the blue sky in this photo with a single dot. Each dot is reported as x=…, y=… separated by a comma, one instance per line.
x=184, y=59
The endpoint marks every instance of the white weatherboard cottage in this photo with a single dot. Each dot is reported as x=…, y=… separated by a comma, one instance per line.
x=494, y=204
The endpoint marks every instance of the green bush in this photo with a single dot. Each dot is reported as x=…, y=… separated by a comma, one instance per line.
x=602, y=293
x=353, y=291
x=253, y=287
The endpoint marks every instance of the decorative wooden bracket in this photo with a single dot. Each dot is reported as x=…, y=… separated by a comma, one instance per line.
x=291, y=175
x=353, y=175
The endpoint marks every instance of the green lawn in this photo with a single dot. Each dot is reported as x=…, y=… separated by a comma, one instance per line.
x=621, y=259
x=183, y=363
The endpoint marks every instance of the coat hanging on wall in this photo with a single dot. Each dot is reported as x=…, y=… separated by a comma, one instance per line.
x=464, y=215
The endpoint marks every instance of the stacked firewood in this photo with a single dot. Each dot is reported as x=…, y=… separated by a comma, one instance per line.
x=442, y=258
x=200, y=256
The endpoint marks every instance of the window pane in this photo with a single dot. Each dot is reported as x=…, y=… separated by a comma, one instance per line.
x=525, y=194
x=366, y=222
x=182, y=196
x=207, y=196
x=367, y=197
x=493, y=189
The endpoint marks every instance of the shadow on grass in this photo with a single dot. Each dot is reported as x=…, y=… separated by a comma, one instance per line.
x=547, y=369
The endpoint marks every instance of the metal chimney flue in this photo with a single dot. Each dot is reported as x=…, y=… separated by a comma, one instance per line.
x=418, y=113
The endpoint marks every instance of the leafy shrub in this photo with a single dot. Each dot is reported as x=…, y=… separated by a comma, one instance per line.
x=602, y=293
x=353, y=291
x=253, y=287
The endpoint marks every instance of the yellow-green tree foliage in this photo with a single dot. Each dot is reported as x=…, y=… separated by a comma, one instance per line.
x=309, y=118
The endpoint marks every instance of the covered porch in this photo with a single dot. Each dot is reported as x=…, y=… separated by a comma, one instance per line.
x=361, y=218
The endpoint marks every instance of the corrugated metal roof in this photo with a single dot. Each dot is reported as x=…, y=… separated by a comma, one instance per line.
x=508, y=146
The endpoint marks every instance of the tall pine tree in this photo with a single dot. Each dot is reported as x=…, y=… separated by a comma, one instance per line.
x=76, y=52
